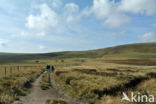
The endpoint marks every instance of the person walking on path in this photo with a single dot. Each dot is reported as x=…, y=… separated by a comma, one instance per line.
x=52, y=68
x=47, y=69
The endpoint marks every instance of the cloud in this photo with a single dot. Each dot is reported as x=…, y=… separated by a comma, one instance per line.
x=71, y=12
x=50, y=21
x=57, y=3
x=71, y=8
x=41, y=47
x=30, y=34
x=3, y=43
x=107, y=11
x=46, y=19
x=41, y=34
x=148, y=37
x=115, y=14
x=139, y=6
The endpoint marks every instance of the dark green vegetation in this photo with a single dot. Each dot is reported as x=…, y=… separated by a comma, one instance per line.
x=141, y=51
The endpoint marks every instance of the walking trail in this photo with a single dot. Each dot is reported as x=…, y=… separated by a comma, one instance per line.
x=39, y=96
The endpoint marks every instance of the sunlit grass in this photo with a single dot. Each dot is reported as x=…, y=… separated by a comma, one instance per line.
x=17, y=84
x=96, y=78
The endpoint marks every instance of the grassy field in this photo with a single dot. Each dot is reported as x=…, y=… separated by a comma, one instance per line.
x=97, y=76
x=103, y=83
x=11, y=69
x=16, y=83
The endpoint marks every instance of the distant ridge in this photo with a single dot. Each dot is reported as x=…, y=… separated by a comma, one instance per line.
x=139, y=50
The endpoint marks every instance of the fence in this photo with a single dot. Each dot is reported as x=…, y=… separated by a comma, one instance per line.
x=8, y=70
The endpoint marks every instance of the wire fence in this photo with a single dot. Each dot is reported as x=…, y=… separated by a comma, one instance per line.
x=9, y=70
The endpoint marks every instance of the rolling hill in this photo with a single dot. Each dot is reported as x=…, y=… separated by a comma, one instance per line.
x=140, y=50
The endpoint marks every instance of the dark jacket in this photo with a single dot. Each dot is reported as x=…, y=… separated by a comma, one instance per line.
x=52, y=69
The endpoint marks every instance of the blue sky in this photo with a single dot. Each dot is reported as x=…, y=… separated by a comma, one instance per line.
x=38, y=26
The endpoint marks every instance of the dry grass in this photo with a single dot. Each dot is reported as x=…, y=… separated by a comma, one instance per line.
x=7, y=70
x=45, y=82
x=104, y=83
x=17, y=84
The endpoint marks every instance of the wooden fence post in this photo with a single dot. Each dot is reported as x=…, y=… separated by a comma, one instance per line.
x=13, y=69
x=18, y=68
x=10, y=70
x=5, y=71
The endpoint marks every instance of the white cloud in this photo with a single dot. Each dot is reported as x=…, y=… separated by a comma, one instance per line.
x=30, y=34
x=41, y=47
x=107, y=11
x=24, y=34
x=57, y=3
x=87, y=11
x=147, y=7
x=49, y=21
x=114, y=14
x=41, y=34
x=71, y=12
x=148, y=37
x=71, y=8
x=46, y=19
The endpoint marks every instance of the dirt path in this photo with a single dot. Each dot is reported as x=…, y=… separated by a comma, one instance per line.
x=39, y=96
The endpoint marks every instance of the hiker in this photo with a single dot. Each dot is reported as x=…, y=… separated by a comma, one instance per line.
x=52, y=68
x=47, y=67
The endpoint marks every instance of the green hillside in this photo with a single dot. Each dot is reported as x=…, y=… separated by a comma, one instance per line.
x=141, y=50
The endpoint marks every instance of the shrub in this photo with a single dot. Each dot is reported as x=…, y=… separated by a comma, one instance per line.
x=152, y=74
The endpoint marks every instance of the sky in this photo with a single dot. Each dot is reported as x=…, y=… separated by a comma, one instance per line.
x=40, y=26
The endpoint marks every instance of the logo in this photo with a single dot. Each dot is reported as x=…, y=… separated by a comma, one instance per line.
x=138, y=97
